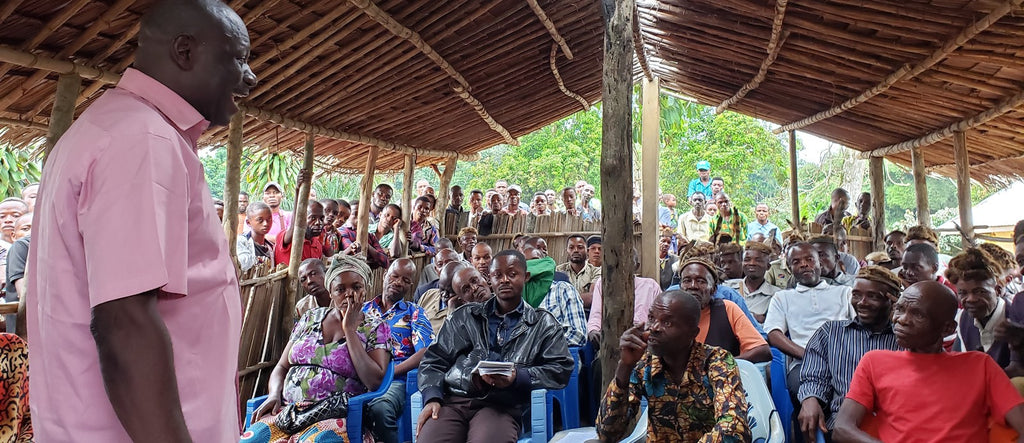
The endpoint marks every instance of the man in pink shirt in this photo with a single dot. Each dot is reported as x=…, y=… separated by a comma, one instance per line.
x=135, y=324
x=645, y=290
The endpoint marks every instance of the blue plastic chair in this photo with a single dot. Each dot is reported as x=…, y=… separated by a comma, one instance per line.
x=568, y=399
x=780, y=392
x=354, y=420
x=588, y=434
x=405, y=424
x=762, y=416
x=535, y=431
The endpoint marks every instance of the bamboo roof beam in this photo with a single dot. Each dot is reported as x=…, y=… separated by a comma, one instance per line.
x=23, y=124
x=1001, y=108
x=299, y=37
x=975, y=165
x=906, y=72
x=28, y=60
x=638, y=45
x=558, y=79
x=8, y=9
x=56, y=22
x=462, y=89
x=775, y=43
x=544, y=20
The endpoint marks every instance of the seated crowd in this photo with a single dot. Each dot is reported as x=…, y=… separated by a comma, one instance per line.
x=862, y=339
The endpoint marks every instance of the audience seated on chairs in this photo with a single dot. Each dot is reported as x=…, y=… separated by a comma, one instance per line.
x=828, y=256
x=923, y=392
x=581, y=273
x=834, y=350
x=753, y=287
x=976, y=275
x=560, y=298
x=459, y=404
x=411, y=333
x=644, y=292
x=333, y=353
x=722, y=323
x=312, y=272
x=437, y=303
x=693, y=390
x=443, y=257
x=794, y=314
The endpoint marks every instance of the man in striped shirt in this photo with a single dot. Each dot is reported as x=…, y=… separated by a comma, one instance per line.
x=837, y=346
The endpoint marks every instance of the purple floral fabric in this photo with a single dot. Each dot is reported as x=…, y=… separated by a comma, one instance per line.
x=320, y=369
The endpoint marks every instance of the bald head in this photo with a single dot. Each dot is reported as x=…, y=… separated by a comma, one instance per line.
x=923, y=315
x=939, y=301
x=447, y=274
x=198, y=49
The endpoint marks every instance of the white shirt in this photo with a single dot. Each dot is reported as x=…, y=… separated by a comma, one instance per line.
x=802, y=310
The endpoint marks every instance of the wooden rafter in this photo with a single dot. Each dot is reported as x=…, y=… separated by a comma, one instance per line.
x=56, y=22
x=23, y=124
x=28, y=60
x=907, y=72
x=638, y=45
x=999, y=109
x=775, y=43
x=463, y=88
x=932, y=168
x=558, y=79
x=550, y=27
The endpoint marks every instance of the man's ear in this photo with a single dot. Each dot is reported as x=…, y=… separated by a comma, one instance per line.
x=527, y=275
x=949, y=328
x=183, y=49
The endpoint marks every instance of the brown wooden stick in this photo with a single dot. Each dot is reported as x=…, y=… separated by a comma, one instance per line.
x=774, y=44
x=558, y=79
x=544, y=20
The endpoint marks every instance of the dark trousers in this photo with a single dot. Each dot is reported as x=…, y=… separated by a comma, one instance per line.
x=383, y=413
x=468, y=420
x=793, y=384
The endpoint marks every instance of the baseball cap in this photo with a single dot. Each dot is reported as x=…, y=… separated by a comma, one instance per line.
x=593, y=240
x=272, y=184
x=703, y=165
x=515, y=188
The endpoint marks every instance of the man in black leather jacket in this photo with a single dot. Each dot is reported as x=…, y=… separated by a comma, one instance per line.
x=461, y=405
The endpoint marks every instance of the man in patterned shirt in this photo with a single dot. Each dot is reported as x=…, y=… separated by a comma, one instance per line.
x=411, y=334
x=693, y=390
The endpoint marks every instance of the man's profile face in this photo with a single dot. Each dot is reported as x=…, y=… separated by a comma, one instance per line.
x=916, y=268
x=827, y=258
x=311, y=277
x=697, y=280
x=221, y=60
x=382, y=196
x=803, y=261
x=272, y=197
x=761, y=212
x=508, y=276
x=670, y=201
x=916, y=321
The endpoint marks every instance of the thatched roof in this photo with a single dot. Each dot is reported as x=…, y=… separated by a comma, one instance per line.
x=910, y=68
x=441, y=77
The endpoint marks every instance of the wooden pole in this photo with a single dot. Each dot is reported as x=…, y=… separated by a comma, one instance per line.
x=63, y=112
x=442, y=195
x=963, y=186
x=407, y=185
x=924, y=215
x=293, y=287
x=232, y=183
x=366, y=187
x=616, y=181
x=794, y=191
x=650, y=127
x=876, y=169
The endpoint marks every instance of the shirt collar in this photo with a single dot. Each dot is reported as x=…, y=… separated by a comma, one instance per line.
x=821, y=285
x=998, y=314
x=492, y=308
x=185, y=117
x=856, y=324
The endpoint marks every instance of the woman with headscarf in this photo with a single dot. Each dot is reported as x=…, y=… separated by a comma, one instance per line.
x=334, y=353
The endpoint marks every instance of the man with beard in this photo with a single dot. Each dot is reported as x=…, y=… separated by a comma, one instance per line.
x=378, y=201
x=753, y=287
x=801, y=311
x=411, y=333
x=481, y=259
x=664, y=363
x=282, y=220
x=837, y=346
x=311, y=246
x=696, y=224
x=311, y=276
x=965, y=390
x=722, y=322
x=581, y=273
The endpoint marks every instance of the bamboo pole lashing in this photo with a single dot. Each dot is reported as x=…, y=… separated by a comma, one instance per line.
x=907, y=72
x=558, y=79
x=775, y=42
x=638, y=45
x=550, y=26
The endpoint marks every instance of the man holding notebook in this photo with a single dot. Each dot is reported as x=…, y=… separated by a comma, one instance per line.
x=476, y=377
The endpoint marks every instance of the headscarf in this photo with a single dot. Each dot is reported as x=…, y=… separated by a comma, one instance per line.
x=881, y=274
x=542, y=273
x=347, y=263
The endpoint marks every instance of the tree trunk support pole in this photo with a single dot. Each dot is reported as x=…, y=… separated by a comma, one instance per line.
x=794, y=192
x=407, y=185
x=876, y=169
x=963, y=186
x=298, y=237
x=650, y=128
x=924, y=216
x=442, y=196
x=366, y=191
x=232, y=183
x=63, y=112
x=617, y=181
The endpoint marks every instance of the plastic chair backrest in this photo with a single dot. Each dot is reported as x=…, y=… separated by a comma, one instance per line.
x=780, y=392
x=763, y=418
x=537, y=425
x=354, y=421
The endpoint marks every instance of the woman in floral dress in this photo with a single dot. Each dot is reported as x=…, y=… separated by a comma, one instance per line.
x=331, y=350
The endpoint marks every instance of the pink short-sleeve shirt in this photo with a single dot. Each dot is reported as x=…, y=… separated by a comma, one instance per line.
x=123, y=209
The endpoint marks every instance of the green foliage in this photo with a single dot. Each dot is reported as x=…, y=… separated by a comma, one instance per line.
x=215, y=168
x=17, y=169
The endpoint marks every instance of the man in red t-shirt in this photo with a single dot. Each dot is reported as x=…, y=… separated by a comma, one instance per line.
x=311, y=246
x=923, y=393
